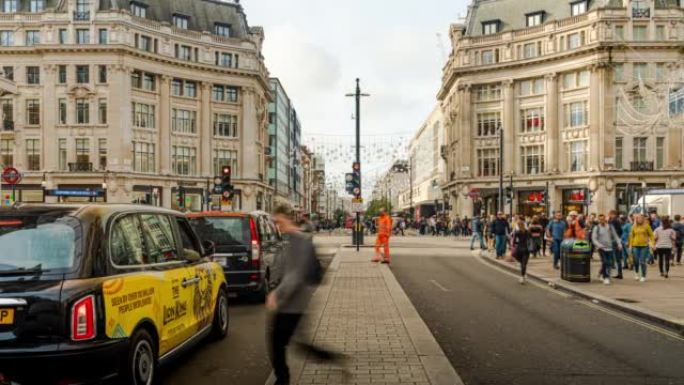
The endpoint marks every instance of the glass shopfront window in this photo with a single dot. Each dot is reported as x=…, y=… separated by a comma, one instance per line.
x=147, y=195
x=531, y=203
x=574, y=200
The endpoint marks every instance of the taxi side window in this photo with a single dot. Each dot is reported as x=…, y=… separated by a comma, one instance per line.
x=127, y=243
x=265, y=230
x=188, y=241
x=159, y=238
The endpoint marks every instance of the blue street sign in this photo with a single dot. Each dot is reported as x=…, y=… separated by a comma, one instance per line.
x=76, y=193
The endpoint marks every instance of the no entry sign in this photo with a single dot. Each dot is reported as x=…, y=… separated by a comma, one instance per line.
x=11, y=175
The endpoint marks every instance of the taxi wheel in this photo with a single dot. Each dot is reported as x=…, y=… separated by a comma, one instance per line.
x=219, y=329
x=141, y=364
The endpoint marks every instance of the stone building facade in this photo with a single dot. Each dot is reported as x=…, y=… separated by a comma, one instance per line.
x=133, y=101
x=585, y=93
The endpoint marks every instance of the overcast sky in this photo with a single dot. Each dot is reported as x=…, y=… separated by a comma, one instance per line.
x=318, y=47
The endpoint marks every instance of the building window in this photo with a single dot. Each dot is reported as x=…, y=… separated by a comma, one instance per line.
x=62, y=36
x=82, y=150
x=7, y=109
x=145, y=43
x=660, y=72
x=102, y=74
x=532, y=120
x=7, y=152
x=33, y=154
x=578, y=8
x=62, y=111
x=102, y=111
x=488, y=92
x=490, y=27
x=619, y=72
x=103, y=36
x=487, y=162
x=640, y=33
x=183, y=121
x=532, y=87
x=641, y=8
x=10, y=6
x=232, y=94
x=575, y=40
x=82, y=36
x=578, y=156
x=102, y=153
x=62, y=149
x=183, y=52
x=225, y=158
x=225, y=125
x=660, y=152
x=82, y=74
x=488, y=123
x=183, y=160
x=639, y=149
x=534, y=19
x=660, y=33
x=36, y=6
x=145, y=81
x=224, y=59
x=638, y=103
x=6, y=38
x=572, y=80
x=33, y=112
x=222, y=30
x=619, y=32
x=8, y=72
x=181, y=21
x=619, y=153
x=532, y=159
x=640, y=71
x=143, y=157
x=33, y=75
x=62, y=74
x=139, y=10
x=576, y=114
x=531, y=50
x=32, y=38
x=82, y=111
x=143, y=115
x=82, y=6
x=490, y=56
x=190, y=89
x=225, y=94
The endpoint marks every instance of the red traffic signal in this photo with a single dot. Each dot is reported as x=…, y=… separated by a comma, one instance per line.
x=356, y=166
x=227, y=170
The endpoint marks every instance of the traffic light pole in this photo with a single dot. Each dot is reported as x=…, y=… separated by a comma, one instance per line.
x=510, y=201
x=501, y=178
x=359, y=231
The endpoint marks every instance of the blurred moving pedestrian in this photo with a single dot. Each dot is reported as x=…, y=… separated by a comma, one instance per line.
x=555, y=232
x=289, y=300
x=626, y=251
x=521, y=242
x=501, y=229
x=384, y=227
x=606, y=241
x=575, y=228
x=477, y=233
x=640, y=239
x=537, y=234
x=665, y=238
x=544, y=222
x=678, y=227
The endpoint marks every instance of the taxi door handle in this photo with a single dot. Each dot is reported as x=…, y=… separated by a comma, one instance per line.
x=187, y=282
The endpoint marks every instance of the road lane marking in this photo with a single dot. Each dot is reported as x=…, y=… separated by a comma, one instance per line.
x=442, y=288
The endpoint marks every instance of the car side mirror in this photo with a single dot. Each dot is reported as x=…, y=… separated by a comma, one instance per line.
x=209, y=248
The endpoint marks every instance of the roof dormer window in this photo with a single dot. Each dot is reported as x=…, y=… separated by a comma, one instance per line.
x=181, y=21
x=490, y=27
x=222, y=29
x=535, y=18
x=139, y=9
x=578, y=7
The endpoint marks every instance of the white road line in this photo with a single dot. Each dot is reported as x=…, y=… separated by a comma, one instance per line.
x=442, y=288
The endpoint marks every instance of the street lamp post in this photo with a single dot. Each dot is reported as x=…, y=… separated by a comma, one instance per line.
x=501, y=178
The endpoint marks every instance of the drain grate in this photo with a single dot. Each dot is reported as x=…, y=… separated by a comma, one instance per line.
x=627, y=300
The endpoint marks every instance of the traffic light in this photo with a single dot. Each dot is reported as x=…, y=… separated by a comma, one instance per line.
x=226, y=187
x=356, y=184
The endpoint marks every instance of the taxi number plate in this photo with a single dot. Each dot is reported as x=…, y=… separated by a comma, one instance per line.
x=6, y=316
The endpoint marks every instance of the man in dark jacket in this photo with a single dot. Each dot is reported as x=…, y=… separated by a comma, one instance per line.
x=500, y=229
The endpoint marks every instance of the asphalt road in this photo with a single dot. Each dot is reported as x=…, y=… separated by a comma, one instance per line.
x=495, y=331
x=241, y=358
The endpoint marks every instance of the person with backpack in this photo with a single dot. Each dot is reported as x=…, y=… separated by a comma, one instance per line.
x=290, y=298
x=665, y=238
x=521, y=243
x=537, y=233
x=604, y=238
x=678, y=227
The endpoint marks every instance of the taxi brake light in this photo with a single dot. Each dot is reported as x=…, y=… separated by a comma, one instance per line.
x=83, y=319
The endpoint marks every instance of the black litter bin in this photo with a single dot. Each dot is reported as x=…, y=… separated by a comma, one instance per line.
x=576, y=261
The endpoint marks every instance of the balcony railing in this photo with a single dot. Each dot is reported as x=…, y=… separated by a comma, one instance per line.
x=642, y=166
x=81, y=167
x=641, y=12
x=8, y=125
x=81, y=15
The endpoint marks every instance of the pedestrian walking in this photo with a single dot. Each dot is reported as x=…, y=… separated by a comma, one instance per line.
x=537, y=234
x=555, y=232
x=640, y=239
x=678, y=227
x=544, y=222
x=521, y=242
x=288, y=301
x=501, y=229
x=382, y=240
x=477, y=233
x=626, y=251
x=665, y=238
x=575, y=227
x=606, y=240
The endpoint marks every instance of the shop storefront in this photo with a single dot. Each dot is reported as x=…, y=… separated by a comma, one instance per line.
x=531, y=203
x=24, y=193
x=147, y=195
x=574, y=200
x=78, y=193
x=194, y=199
x=215, y=202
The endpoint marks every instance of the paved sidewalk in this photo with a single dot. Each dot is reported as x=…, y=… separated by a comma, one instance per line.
x=361, y=311
x=658, y=299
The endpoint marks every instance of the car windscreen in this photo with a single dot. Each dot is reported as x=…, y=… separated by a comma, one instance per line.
x=38, y=242
x=223, y=231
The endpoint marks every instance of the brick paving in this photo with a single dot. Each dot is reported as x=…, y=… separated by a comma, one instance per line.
x=361, y=320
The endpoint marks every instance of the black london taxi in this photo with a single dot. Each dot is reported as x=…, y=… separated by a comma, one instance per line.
x=99, y=291
x=246, y=245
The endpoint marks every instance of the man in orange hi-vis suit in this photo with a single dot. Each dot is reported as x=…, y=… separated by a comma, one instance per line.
x=384, y=227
